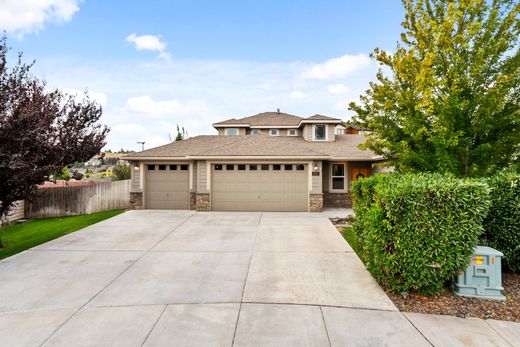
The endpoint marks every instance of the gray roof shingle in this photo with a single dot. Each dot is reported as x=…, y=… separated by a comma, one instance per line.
x=345, y=147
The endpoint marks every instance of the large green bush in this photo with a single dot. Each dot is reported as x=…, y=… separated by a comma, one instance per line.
x=417, y=231
x=502, y=224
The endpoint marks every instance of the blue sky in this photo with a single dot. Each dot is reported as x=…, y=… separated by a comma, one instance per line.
x=155, y=64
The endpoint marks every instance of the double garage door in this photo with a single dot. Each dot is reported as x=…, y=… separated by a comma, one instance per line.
x=167, y=186
x=259, y=187
x=234, y=187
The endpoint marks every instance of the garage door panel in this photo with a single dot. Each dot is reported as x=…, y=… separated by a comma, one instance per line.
x=260, y=190
x=167, y=189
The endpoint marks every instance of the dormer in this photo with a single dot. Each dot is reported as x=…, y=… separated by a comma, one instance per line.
x=320, y=128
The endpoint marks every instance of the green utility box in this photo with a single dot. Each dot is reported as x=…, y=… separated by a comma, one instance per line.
x=483, y=276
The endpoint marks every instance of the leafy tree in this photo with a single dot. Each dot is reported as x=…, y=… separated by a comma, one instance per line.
x=452, y=101
x=121, y=172
x=181, y=135
x=64, y=174
x=40, y=130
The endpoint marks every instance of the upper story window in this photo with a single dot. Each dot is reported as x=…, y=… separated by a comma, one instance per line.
x=231, y=131
x=320, y=132
x=292, y=132
x=274, y=132
x=255, y=131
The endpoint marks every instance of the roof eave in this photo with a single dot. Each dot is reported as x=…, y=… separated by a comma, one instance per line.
x=234, y=125
x=321, y=121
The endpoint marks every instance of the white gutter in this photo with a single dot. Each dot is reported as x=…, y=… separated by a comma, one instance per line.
x=274, y=126
x=252, y=157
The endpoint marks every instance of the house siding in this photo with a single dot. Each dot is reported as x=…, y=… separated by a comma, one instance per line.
x=331, y=132
x=202, y=177
x=316, y=186
x=194, y=175
x=326, y=174
x=135, y=178
x=307, y=132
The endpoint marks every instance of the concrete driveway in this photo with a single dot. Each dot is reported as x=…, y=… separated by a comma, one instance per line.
x=180, y=278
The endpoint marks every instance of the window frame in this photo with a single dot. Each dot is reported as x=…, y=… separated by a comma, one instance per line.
x=236, y=129
x=295, y=132
x=256, y=131
x=332, y=176
x=277, y=132
x=315, y=133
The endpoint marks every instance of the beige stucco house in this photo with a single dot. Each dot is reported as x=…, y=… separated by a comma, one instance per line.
x=268, y=162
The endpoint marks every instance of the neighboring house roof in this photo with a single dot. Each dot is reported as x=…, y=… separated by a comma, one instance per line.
x=212, y=146
x=358, y=127
x=274, y=119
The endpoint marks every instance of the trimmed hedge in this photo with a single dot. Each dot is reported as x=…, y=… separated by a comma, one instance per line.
x=502, y=224
x=417, y=231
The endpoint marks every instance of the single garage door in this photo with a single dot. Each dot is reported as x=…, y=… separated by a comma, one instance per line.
x=259, y=187
x=167, y=186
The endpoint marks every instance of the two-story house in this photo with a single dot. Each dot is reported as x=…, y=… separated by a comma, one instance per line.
x=271, y=161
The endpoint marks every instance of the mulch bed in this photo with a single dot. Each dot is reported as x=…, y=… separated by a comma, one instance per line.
x=448, y=303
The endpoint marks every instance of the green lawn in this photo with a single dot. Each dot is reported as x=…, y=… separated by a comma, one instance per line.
x=350, y=237
x=19, y=237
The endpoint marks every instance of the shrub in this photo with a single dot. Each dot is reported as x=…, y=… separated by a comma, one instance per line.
x=121, y=172
x=502, y=224
x=64, y=174
x=417, y=231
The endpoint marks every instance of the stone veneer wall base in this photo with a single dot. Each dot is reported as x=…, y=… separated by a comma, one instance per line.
x=337, y=199
x=202, y=202
x=136, y=200
x=315, y=202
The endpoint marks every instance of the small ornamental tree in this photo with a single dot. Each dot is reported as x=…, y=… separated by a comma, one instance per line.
x=41, y=130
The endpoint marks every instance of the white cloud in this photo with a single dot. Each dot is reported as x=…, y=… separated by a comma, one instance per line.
x=298, y=95
x=150, y=43
x=146, y=105
x=146, y=42
x=337, y=88
x=29, y=16
x=337, y=67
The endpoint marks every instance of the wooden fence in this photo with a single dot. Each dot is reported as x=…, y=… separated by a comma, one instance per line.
x=15, y=212
x=76, y=200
